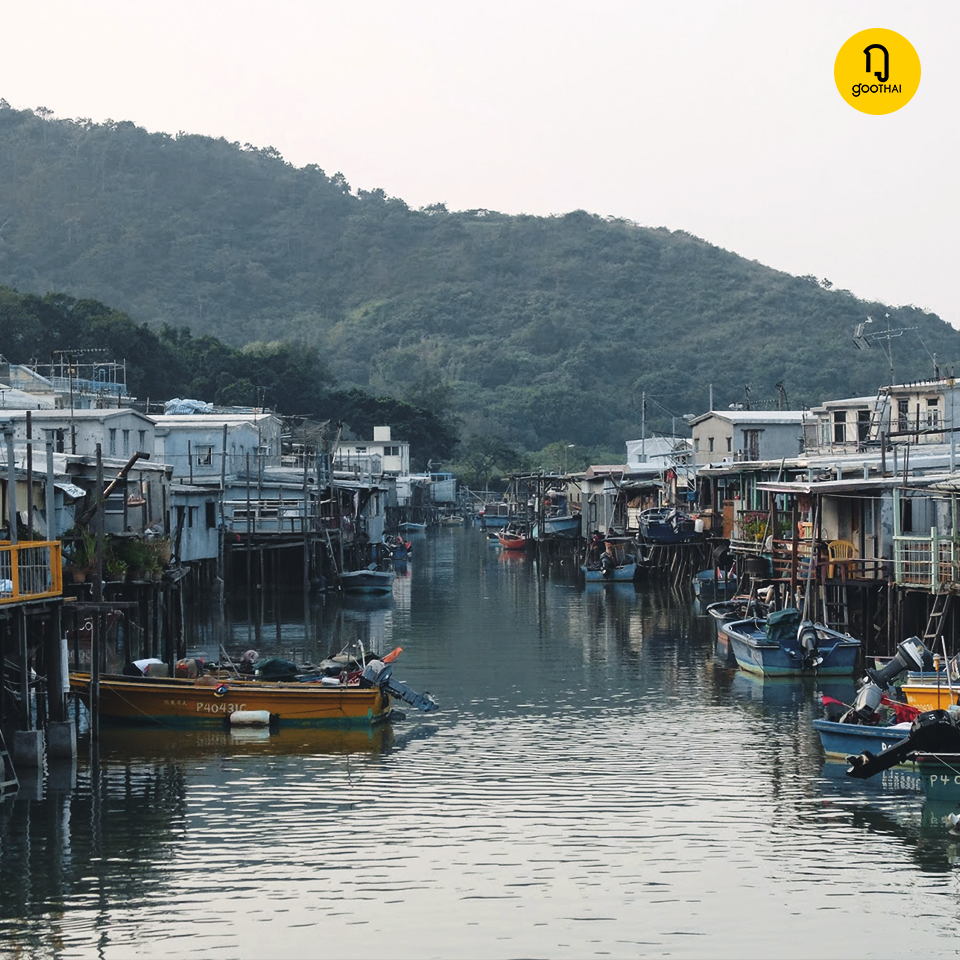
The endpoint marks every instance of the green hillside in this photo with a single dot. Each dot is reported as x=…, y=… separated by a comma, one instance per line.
x=531, y=329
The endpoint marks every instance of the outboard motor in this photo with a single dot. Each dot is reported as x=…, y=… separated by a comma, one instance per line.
x=911, y=655
x=807, y=641
x=376, y=673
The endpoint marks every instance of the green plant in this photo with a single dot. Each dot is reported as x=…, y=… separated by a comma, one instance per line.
x=83, y=552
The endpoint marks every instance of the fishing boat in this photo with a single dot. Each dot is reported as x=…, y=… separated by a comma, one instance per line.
x=370, y=579
x=714, y=581
x=410, y=527
x=354, y=694
x=616, y=564
x=495, y=515
x=784, y=645
x=667, y=525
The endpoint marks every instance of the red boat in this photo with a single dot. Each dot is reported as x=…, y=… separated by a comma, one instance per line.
x=513, y=539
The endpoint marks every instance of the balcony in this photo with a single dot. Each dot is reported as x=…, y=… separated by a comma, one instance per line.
x=30, y=571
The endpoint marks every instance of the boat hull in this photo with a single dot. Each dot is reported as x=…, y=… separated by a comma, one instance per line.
x=756, y=654
x=841, y=740
x=930, y=695
x=367, y=581
x=174, y=701
x=511, y=541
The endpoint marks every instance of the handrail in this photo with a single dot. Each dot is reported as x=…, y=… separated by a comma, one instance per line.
x=30, y=570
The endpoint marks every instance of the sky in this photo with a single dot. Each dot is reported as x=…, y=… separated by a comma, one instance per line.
x=722, y=119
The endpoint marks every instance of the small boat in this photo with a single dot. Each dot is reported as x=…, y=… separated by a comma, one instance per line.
x=453, y=520
x=728, y=611
x=410, y=527
x=315, y=699
x=841, y=740
x=933, y=744
x=783, y=645
x=371, y=579
x=667, y=525
x=512, y=538
x=616, y=564
x=709, y=583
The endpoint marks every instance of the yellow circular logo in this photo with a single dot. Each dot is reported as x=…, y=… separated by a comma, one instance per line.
x=877, y=71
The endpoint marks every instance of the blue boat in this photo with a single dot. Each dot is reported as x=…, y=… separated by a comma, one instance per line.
x=714, y=582
x=783, y=645
x=842, y=740
x=667, y=525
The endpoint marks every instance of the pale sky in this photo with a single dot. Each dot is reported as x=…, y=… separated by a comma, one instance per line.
x=718, y=118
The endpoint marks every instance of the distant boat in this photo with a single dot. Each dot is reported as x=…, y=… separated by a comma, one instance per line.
x=492, y=516
x=667, y=525
x=616, y=564
x=511, y=538
x=710, y=583
x=412, y=527
x=452, y=521
x=371, y=579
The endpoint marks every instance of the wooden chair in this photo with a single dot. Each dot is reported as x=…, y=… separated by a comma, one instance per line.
x=839, y=550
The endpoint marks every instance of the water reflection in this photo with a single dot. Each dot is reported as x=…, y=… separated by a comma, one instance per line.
x=596, y=783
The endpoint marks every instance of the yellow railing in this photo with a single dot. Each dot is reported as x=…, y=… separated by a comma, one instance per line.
x=30, y=570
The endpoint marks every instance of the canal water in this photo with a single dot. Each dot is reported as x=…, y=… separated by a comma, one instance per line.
x=595, y=784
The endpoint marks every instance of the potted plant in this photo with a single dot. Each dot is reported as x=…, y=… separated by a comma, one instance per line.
x=82, y=555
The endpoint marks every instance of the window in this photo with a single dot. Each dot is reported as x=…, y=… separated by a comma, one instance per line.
x=710, y=443
x=903, y=415
x=863, y=424
x=839, y=426
x=933, y=412
x=113, y=441
x=126, y=442
x=211, y=511
x=391, y=451
x=751, y=444
x=142, y=434
x=204, y=455
x=729, y=444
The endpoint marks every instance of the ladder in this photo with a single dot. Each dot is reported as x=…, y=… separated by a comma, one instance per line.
x=836, y=614
x=877, y=417
x=8, y=776
x=941, y=604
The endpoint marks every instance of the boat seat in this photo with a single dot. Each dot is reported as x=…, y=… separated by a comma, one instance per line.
x=839, y=550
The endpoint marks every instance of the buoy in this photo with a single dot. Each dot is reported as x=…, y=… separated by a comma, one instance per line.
x=250, y=718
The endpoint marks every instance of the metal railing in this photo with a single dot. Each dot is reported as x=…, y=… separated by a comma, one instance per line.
x=30, y=571
x=925, y=561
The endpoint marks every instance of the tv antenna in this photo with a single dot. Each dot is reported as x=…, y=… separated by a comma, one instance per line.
x=863, y=338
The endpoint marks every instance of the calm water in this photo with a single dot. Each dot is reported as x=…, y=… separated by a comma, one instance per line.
x=595, y=784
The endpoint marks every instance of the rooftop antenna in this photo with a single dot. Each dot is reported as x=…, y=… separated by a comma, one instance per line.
x=781, y=396
x=863, y=338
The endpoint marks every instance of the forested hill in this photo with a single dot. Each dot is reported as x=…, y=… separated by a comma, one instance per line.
x=531, y=329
